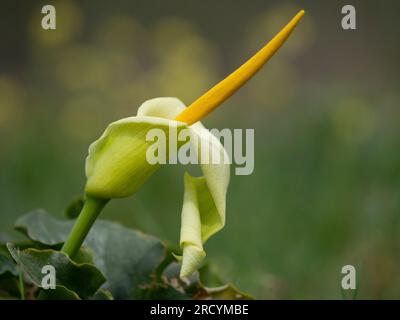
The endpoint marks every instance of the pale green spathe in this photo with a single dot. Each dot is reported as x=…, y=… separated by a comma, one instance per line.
x=116, y=167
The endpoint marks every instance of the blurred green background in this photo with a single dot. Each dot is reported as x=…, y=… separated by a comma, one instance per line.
x=326, y=187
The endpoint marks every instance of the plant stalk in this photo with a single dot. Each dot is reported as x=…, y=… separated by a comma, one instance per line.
x=21, y=283
x=86, y=218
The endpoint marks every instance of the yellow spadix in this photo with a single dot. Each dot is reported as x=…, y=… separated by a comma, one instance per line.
x=227, y=87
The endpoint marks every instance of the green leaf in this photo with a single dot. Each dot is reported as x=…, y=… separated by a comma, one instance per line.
x=127, y=258
x=103, y=295
x=194, y=288
x=73, y=280
x=8, y=277
x=17, y=239
x=39, y=226
x=226, y=292
x=7, y=265
x=59, y=293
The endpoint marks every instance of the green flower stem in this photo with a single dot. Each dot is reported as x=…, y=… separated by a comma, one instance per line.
x=87, y=217
x=21, y=283
x=90, y=211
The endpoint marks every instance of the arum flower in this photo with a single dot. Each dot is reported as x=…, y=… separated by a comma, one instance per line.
x=116, y=165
